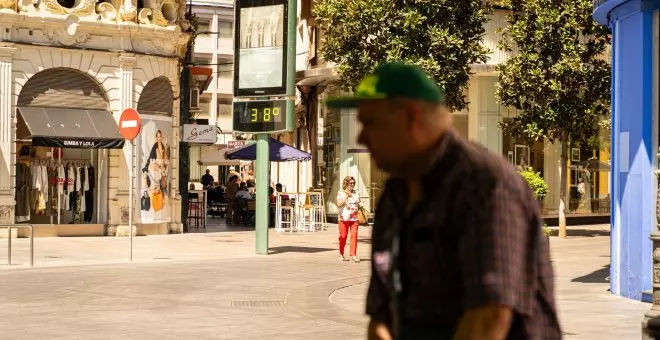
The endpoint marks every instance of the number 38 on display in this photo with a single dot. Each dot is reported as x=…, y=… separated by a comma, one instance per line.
x=267, y=115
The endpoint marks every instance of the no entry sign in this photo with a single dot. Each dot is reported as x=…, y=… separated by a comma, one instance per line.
x=130, y=124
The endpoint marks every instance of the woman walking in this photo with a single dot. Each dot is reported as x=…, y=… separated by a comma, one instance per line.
x=348, y=202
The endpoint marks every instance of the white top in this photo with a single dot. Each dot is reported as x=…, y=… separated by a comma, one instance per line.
x=348, y=211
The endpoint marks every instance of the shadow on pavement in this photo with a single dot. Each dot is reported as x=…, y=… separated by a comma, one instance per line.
x=599, y=276
x=296, y=249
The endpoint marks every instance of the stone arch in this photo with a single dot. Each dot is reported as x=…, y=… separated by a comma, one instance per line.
x=157, y=97
x=65, y=88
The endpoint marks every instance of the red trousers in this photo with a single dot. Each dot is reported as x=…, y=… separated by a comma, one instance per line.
x=344, y=226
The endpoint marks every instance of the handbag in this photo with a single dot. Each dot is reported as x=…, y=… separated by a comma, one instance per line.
x=157, y=200
x=145, y=201
x=362, y=216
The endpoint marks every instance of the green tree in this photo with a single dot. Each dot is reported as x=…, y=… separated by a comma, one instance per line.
x=441, y=36
x=559, y=80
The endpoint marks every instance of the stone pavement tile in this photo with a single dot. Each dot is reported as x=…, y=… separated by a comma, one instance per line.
x=586, y=308
x=202, y=286
x=185, y=297
x=62, y=251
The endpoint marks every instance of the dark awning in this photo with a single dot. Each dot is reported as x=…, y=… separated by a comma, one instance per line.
x=69, y=128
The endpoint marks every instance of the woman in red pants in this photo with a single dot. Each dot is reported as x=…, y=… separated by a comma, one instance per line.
x=348, y=202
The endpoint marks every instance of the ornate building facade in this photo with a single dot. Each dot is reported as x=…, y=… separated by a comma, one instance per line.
x=66, y=67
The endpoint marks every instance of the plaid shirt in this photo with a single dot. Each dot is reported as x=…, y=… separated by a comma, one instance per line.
x=473, y=240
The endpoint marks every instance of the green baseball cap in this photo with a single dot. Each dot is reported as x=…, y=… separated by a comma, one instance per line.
x=393, y=80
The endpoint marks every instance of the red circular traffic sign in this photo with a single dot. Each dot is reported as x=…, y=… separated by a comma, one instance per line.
x=130, y=124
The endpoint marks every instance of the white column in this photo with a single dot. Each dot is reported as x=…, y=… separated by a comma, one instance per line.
x=126, y=64
x=6, y=119
x=213, y=88
x=473, y=109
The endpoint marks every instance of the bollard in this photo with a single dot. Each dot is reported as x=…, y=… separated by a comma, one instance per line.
x=9, y=246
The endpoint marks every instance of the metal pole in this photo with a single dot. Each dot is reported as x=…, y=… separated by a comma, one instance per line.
x=31, y=246
x=292, y=22
x=9, y=246
x=130, y=201
x=261, y=204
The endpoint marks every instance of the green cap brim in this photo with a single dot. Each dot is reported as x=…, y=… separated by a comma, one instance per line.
x=347, y=102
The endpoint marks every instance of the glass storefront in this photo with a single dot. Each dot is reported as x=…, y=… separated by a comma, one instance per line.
x=342, y=156
x=588, y=182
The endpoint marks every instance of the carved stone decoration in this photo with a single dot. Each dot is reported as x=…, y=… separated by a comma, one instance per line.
x=6, y=214
x=69, y=35
x=108, y=11
x=9, y=6
x=28, y=6
x=82, y=7
x=144, y=18
x=163, y=12
x=128, y=13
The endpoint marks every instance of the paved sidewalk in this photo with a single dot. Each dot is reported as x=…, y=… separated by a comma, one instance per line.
x=586, y=309
x=213, y=286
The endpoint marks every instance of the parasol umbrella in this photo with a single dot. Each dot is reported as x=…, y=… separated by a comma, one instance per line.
x=278, y=152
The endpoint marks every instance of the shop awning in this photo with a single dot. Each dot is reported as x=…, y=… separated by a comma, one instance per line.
x=69, y=128
x=215, y=155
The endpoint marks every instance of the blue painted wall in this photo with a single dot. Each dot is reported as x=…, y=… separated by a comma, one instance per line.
x=633, y=204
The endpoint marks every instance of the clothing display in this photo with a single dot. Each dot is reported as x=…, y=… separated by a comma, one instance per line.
x=23, y=192
x=45, y=186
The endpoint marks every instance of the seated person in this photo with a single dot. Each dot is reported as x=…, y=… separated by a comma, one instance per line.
x=243, y=192
x=278, y=188
x=271, y=194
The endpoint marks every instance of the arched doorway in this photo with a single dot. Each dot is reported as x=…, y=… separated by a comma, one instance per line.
x=153, y=150
x=64, y=128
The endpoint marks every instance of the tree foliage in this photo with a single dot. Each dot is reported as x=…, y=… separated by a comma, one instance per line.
x=441, y=36
x=559, y=80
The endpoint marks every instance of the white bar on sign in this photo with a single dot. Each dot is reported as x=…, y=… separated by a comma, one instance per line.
x=129, y=124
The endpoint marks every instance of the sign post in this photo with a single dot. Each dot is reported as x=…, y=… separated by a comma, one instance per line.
x=264, y=86
x=129, y=127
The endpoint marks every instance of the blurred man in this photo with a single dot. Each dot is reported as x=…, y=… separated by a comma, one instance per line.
x=457, y=246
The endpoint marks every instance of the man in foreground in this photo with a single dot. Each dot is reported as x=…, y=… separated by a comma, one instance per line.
x=457, y=249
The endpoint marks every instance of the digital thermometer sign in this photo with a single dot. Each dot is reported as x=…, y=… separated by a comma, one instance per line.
x=260, y=116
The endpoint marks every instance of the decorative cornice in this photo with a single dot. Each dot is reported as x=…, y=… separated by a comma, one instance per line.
x=112, y=25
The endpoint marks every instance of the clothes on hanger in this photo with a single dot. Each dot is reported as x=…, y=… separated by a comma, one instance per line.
x=23, y=192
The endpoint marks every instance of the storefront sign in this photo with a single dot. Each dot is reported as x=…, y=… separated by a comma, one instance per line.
x=261, y=47
x=78, y=143
x=199, y=134
x=236, y=144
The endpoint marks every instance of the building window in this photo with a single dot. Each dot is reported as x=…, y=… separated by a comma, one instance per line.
x=204, y=25
x=224, y=109
x=202, y=61
x=225, y=30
